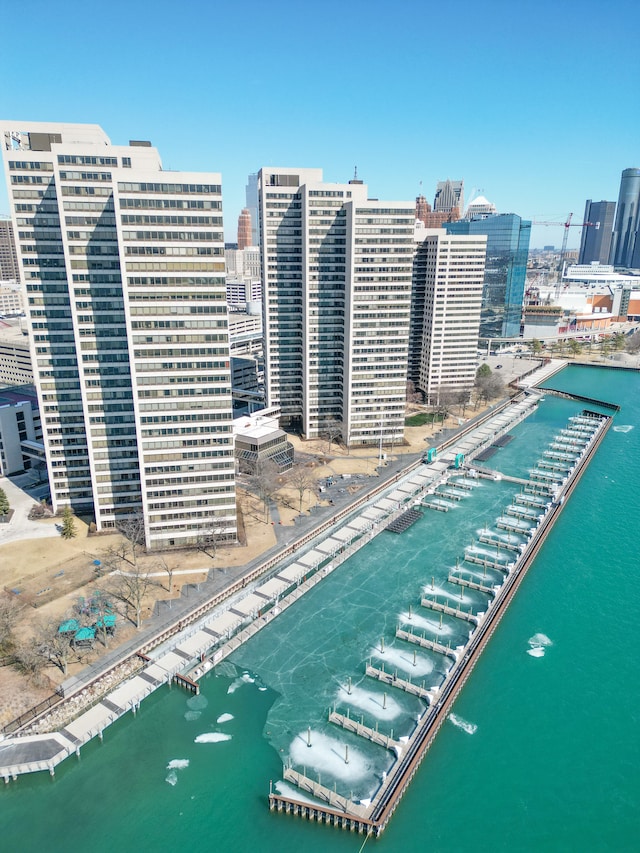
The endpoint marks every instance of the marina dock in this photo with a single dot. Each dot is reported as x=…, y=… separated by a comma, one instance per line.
x=375, y=818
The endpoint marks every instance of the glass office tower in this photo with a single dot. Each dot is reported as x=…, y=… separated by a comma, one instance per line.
x=625, y=246
x=508, y=239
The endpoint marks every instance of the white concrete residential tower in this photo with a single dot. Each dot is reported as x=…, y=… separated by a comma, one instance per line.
x=450, y=269
x=337, y=292
x=123, y=265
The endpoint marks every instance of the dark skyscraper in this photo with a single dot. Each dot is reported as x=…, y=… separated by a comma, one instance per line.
x=625, y=246
x=596, y=238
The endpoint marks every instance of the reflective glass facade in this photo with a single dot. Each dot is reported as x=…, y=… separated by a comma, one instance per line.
x=625, y=247
x=508, y=239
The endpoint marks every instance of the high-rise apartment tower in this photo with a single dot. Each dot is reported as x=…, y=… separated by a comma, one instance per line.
x=337, y=292
x=124, y=271
x=447, y=297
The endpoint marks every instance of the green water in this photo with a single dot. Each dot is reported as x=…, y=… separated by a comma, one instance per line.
x=552, y=765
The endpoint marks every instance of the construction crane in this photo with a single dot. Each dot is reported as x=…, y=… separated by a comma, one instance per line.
x=563, y=251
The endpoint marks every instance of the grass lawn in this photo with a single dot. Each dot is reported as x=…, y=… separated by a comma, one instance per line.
x=420, y=419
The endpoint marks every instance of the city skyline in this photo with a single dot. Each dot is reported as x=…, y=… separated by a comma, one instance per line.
x=517, y=126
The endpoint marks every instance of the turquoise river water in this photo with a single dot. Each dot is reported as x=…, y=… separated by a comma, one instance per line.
x=541, y=754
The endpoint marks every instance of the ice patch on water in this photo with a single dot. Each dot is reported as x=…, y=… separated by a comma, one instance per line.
x=197, y=703
x=178, y=764
x=459, y=722
x=371, y=702
x=294, y=793
x=192, y=715
x=212, y=737
x=623, y=428
x=540, y=640
x=172, y=778
x=536, y=652
x=402, y=659
x=245, y=678
x=427, y=624
x=224, y=718
x=326, y=755
x=226, y=669
x=469, y=728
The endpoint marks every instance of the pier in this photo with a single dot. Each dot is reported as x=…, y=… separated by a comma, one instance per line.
x=441, y=698
x=471, y=584
x=452, y=611
x=349, y=724
x=486, y=539
x=393, y=680
x=424, y=643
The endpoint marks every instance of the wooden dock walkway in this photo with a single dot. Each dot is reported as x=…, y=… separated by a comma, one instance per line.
x=449, y=611
x=489, y=564
x=424, y=643
x=471, y=584
x=358, y=728
x=499, y=543
x=391, y=678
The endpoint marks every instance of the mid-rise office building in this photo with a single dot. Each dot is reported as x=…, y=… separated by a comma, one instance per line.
x=625, y=244
x=337, y=289
x=508, y=239
x=124, y=271
x=447, y=298
x=11, y=301
x=595, y=243
x=15, y=353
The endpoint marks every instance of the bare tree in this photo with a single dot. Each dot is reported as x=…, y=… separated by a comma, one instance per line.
x=28, y=660
x=53, y=645
x=207, y=542
x=133, y=540
x=130, y=585
x=445, y=398
x=164, y=566
x=490, y=387
x=264, y=482
x=461, y=398
x=331, y=429
x=633, y=343
x=413, y=395
x=10, y=609
x=301, y=480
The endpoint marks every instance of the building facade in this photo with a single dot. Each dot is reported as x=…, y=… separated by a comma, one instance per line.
x=508, y=239
x=244, y=229
x=21, y=447
x=595, y=243
x=625, y=245
x=448, y=285
x=124, y=271
x=9, y=267
x=449, y=195
x=337, y=287
x=15, y=354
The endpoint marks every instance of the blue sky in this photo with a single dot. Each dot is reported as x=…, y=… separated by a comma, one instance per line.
x=534, y=104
